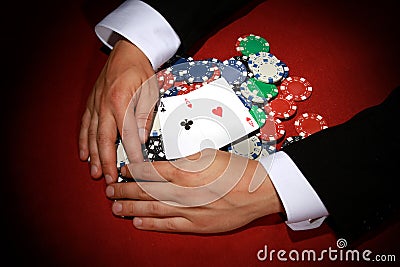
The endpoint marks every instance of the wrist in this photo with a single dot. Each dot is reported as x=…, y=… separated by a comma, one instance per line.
x=267, y=199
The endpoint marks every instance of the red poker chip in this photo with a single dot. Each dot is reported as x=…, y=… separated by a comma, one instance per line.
x=216, y=75
x=273, y=130
x=166, y=79
x=281, y=108
x=296, y=88
x=238, y=40
x=184, y=88
x=309, y=123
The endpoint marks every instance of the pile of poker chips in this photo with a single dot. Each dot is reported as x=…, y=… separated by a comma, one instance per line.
x=263, y=84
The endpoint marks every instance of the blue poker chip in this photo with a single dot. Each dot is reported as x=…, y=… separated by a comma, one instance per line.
x=246, y=102
x=250, y=147
x=234, y=71
x=194, y=71
x=173, y=91
x=285, y=70
x=270, y=147
x=182, y=60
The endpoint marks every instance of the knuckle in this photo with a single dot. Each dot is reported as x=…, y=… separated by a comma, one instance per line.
x=170, y=225
x=92, y=133
x=103, y=138
x=120, y=191
x=130, y=208
x=155, y=208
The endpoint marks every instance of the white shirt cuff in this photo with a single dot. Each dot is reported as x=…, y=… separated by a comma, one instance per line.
x=143, y=26
x=304, y=209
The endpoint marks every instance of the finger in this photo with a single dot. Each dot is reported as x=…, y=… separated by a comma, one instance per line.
x=127, y=191
x=150, y=171
x=144, y=208
x=106, y=136
x=130, y=134
x=95, y=167
x=83, y=136
x=166, y=192
x=171, y=224
x=148, y=98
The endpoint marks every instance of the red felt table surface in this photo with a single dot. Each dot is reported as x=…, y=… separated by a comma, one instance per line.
x=57, y=215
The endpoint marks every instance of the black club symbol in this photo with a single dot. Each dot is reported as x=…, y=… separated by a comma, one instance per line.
x=186, y=123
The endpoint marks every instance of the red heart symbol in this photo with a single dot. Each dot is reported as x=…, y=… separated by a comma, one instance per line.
x=217, y=111
x=249, y=121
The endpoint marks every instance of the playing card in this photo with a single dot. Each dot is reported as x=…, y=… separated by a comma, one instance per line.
x=211, y=116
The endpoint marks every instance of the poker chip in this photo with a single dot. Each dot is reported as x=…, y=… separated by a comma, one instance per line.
x=309, y=123
x=180, y=69
x=196, y=71
x=258, y=115
x=270, y=147
x=251, y=44
x=185, y=88
x=155, y=149
x=281, y=108
x=173, y=91
x=156, y=127
x=291, y=139
x=233, y=71
x=269, y=90
x=296, y=88
x=285, y=70
x=165, y=79
x=122, y=158
x=273, y=130
x=216, y=74
x=247, y=103
x=266, y=67
x=250, y=90
x=250, y=147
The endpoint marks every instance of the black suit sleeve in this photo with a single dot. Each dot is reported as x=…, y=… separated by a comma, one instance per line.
x=195, y=21
x=353, y=167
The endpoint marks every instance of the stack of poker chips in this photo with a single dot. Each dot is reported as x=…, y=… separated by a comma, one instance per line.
x=260, y=80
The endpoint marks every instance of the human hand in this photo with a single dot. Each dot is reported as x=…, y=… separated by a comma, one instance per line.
x=209, y=192
x=126, y=81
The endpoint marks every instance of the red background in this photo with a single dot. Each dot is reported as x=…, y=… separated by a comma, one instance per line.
x=55, y=214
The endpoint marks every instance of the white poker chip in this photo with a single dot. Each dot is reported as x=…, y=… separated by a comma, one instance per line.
x=251, y=92
x=266, y=67
x=156, y=127
x=122, y=158
x=264, y=153
x=249, y=148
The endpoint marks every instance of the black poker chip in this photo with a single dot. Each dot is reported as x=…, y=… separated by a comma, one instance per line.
x=155, y=149
x=291, y=139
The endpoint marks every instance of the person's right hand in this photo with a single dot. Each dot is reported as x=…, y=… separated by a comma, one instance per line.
x=124, y=77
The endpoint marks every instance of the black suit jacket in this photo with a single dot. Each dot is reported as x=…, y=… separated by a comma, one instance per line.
x=352, y=166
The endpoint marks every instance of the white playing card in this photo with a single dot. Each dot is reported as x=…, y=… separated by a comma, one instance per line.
x=211, y=116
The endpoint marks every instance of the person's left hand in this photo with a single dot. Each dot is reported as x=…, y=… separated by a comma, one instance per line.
x=209, y=192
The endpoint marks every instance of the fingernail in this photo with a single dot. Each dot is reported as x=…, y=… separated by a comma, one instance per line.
x=93, y=170
x=117, y=207
x=108, y=179
x=110, y=191
x=81, y=154
x=137, y=222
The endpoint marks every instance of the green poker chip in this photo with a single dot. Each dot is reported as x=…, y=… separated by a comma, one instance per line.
x=259, y=115
x=269, y=90
x=252, y=44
